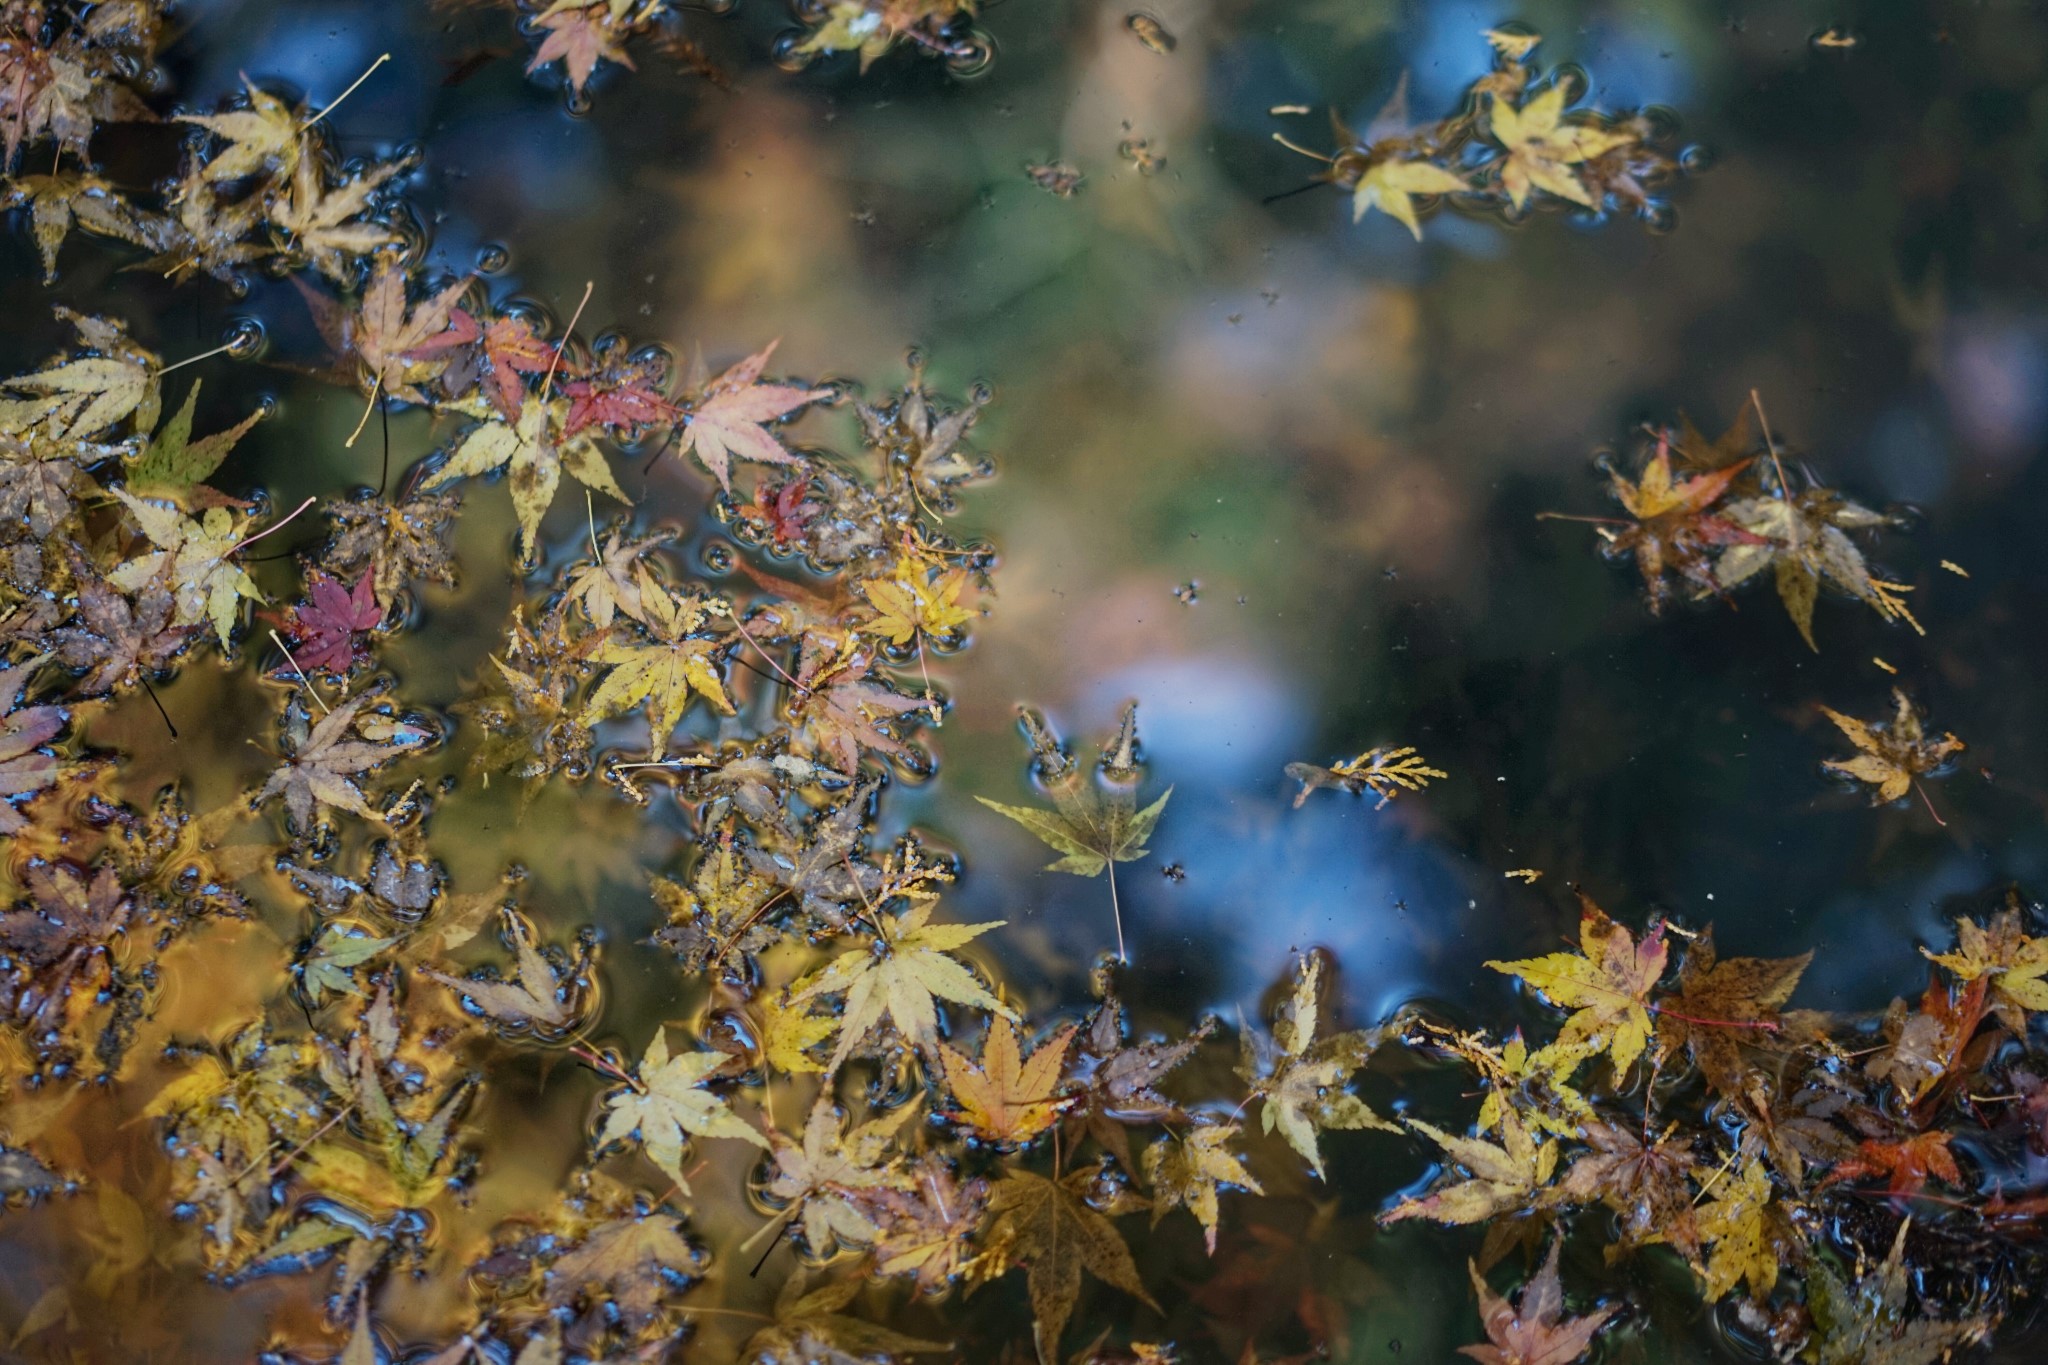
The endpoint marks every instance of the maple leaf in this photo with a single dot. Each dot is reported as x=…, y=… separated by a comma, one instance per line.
x=1924, y=1048
x=607, y=585
x=1386, y=771
x=173, y=463
x=1528, y=1082
x=1301, y=1078
x=535, y=457
x=76, y=199
x=1892, y=754
x=784, y=507
x=392, y=542
x=730, y=419
x=195, y=556
x=1805, y=541
x=70, y=919
x=322, y=762
x=809, y=1326
x=1866, y=1323
x=1909, y=1163
x=911, y=601
x=1607, y=985
x=1008, y=1098
x=1643, y=1182
x=1188, y=1172
x=1542, y=148
x=84, y=397
x=840, y=710
x=623, y=400
x=330, y=961
x=1746, y=1233
x=401, y=344
x=1534, y=1331
x=262, y=137
x=2015, y=964
x=1091, y=829
x=821, y=1177
x=39, y=484
x=1676, y=527
x=326, y=626
x=579, y=36
x=901, y=977
x=1722, y=1006
x=325, y=222
x=666, y=1101
x=541, y=994
x=788, y=1033
x=1117, y=1081
x=1505, y=1177
x=120, y=640
x=663, y=673
x=1391, y=183
x=926, y=1225
x=628, y=1265
x=513, y=351
x=719, y=917
x=921, y=440
x=1047, y=1227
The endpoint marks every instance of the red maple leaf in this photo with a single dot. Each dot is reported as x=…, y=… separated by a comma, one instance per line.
x=514, y=350
x=1909, y=1163
x=619, y=403
x=784, y=508
x=325, y=627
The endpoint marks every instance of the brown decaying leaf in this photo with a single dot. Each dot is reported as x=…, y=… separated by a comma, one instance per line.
x=1534, y=1330
x=1047, y=1227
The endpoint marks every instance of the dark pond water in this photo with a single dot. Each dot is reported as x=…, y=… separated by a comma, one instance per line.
x=1274, y=474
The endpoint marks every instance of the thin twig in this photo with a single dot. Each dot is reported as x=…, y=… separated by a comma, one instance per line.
x=549, y=378
x=381, y=59
x=241, y=545
x=300, y=671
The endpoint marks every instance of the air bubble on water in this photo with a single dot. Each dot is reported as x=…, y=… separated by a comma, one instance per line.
x=244, y=338
x=576, y=102
x=784, y=50
x=981, y=393
x=1696, y=158
x=492, y=259
x=975, y=54
x=268, y=405
x=718, y=558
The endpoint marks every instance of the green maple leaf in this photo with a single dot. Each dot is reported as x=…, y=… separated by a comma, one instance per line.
x=330, y=963
x=1092, y=829
x=172, y=463
x=667, y=1101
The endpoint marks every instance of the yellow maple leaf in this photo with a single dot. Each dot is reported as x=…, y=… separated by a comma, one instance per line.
x=1504, y=1177
x=1008, y=1098
x=899, y=978
x=911, y=601
x=1189, y=1173
x=663, y=671
x=2016, y=963
x=1892, y=755
x=535, y=457
x=1542, y=148
x=1607, y=985
x=1739, y=1225
x=1390, y=185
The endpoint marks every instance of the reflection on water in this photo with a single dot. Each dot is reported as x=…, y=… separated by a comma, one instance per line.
x=1342, y=436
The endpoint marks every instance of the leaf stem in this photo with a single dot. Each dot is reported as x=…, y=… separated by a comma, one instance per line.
x=381, y=59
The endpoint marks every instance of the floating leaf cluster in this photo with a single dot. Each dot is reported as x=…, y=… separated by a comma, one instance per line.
x=1514, y=142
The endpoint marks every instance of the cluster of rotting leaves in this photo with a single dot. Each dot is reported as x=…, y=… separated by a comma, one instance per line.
x=1513, y=142
x=903, y=1117
x=581, y=34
